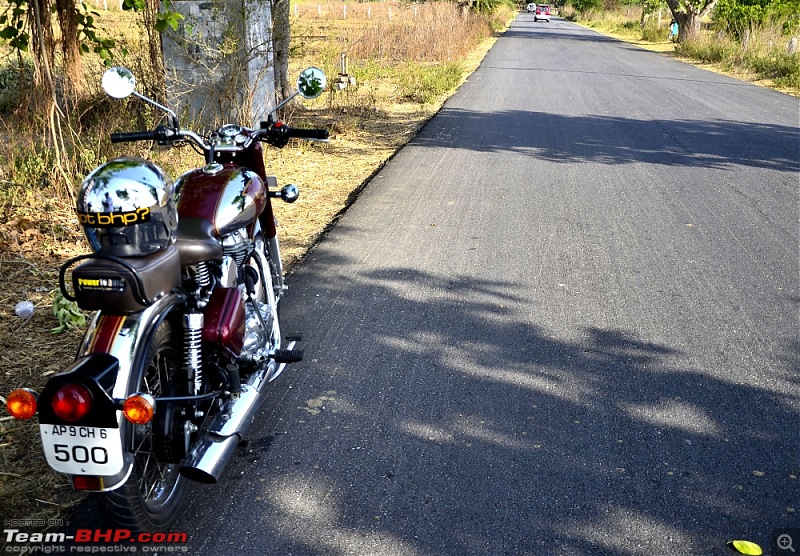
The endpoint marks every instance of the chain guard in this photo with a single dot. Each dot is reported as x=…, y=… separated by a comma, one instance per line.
x=169, y=437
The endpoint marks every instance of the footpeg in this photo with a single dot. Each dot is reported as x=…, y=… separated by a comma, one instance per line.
x=288, y=355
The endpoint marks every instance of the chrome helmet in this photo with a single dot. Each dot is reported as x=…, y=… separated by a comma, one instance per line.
x=127, y=208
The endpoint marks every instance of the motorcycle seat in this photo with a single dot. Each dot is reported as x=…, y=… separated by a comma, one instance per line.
x=123, y=285
x=196, y=241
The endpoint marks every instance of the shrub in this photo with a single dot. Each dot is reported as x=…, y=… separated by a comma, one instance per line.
x=654, y=33
x=734, y=16
x=586, y=6
x=425, y=84
x=11, y=74
x=782, y=67
x=711, y=51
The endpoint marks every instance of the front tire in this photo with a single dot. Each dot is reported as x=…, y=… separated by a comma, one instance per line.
x=151, y=497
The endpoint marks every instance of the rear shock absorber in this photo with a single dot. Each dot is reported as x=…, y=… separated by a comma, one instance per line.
x=202, y=275
x=192, y=349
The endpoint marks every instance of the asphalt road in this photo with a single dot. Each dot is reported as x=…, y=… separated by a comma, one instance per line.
x=562, y=320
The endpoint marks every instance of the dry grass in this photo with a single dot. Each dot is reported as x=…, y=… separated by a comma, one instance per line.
x=435, y=32
x=32, y=249
x=369, y=122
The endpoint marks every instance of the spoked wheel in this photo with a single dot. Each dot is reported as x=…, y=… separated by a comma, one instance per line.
x=151, y=496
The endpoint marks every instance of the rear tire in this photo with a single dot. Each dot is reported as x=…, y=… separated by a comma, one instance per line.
x=151, y=497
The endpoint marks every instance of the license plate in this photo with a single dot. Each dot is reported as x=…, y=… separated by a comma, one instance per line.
x=82, y=450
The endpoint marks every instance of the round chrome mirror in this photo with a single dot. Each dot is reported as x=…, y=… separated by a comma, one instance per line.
x=311, y=83
x=118, y=82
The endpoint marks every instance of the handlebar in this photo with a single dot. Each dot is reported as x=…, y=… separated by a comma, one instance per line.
x=273, y=133
x=161, y=133
x=318, y=134
x=278, y=134
x=133, y=136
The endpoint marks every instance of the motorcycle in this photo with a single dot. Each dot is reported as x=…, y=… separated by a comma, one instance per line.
x=186, y=280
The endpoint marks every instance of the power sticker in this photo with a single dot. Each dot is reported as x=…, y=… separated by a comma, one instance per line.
x=101, y=284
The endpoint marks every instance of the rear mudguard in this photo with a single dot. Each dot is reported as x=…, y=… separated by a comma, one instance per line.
x=126, y=338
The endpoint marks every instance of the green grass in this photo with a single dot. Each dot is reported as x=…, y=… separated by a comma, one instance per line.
x=424, y=84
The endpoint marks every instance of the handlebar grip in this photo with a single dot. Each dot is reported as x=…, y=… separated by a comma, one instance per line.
x=133, y=136
x=321, y=134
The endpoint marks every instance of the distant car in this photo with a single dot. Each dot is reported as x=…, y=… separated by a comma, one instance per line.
x=531, y=8
x=542, y=12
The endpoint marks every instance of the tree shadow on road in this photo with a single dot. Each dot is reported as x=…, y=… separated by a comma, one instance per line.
x=616, y=140
x=456, y=426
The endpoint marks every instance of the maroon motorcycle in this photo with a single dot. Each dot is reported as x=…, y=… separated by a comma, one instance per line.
x=185, y=279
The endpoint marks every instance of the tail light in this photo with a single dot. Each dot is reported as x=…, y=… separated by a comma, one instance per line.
x=21, y=404
x=72, y=402
x=139, y=408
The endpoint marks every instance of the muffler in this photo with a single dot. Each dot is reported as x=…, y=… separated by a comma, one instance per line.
x=216, y=445
x=213, y=454
x=212, y=451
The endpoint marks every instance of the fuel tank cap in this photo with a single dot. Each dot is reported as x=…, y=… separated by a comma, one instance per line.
x=213, y=168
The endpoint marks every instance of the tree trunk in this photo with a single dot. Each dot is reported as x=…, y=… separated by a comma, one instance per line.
x=73, y=70
x=155, y=87
x=43, y=47
x=688, y=26
x=689, y=16
x=280, y=48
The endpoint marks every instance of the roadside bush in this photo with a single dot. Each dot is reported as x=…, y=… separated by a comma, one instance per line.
x=488, y=7
x=782, y=67
x=586, y=7
x=765, y=55
x=437, y=32
x=734, y=17
x=14, y=80
x=709, y=50
x=425, y=84
x=654, y=33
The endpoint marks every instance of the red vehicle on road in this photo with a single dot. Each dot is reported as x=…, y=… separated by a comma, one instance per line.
x=542, y=12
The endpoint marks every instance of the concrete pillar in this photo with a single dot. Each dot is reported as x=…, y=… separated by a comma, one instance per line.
x=219, y=61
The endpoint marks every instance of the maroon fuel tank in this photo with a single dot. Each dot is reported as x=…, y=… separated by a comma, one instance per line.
x=228, y=196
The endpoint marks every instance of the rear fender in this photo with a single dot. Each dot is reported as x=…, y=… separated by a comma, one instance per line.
x=98, y=372
x=111, y=360
x=126, y=337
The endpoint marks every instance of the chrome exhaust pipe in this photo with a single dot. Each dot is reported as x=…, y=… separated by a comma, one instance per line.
x=213, y=454
x=212, y=451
